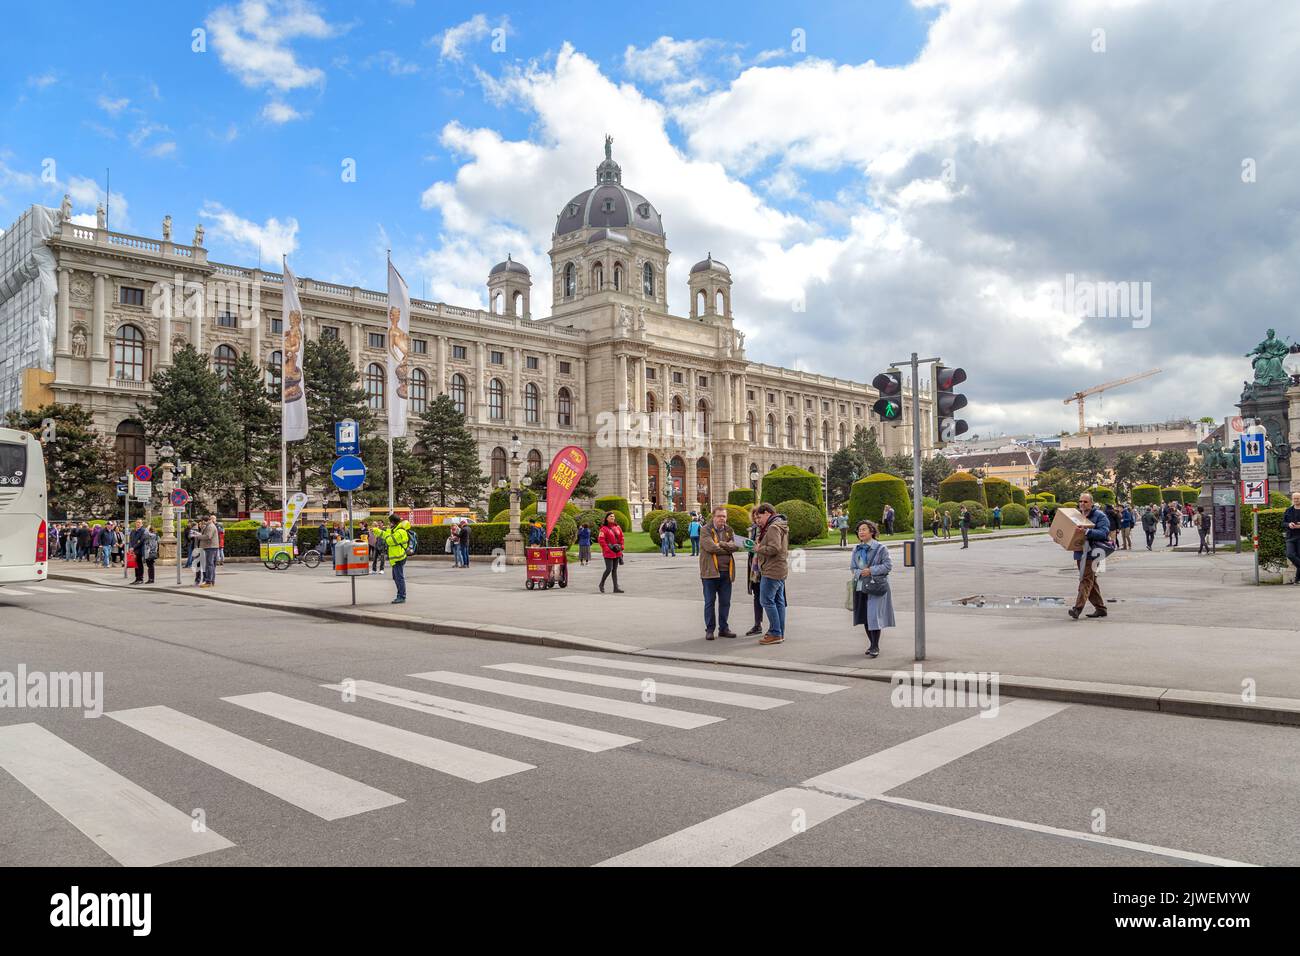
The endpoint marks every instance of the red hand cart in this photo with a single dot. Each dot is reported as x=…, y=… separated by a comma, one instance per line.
x=547, y=567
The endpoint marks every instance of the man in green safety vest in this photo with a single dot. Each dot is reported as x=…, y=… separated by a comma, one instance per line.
x=396, y=537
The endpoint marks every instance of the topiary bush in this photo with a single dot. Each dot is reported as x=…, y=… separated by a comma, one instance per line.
x=738, y=519
x=1146, y=495
x=1278, y=500
x=978, y=513
x=741, y=496
x=624, y=521
x=683, y=525
x=650, y=520
x=593, y=517
x=1272, y=538
x=805, y=520
x=869, y=495
x=1047, y=497
x=927, y=515
x=1190, y=495
x=615, y=503
x=790, y=483
x=997, y=492
x=952, y=508
x=1171, y=494
x=1018, y=496
x=961, y=486
x=929, y=502
x=1015, y=515
x=1102, y=495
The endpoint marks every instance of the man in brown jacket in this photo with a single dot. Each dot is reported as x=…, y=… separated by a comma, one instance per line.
x=717, y=571
x=772, y=550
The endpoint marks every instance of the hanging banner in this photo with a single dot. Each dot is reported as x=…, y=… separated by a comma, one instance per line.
x=399, y=350
x=293, y=394
x=294, y=508
x=567, y=468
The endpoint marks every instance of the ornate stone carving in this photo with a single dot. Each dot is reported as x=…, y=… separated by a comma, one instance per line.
x=198, y=234
x=78, y=342
x=178, y=343
x=167, y=228
x=65, y=208
x=101, y=217
x=80, y=288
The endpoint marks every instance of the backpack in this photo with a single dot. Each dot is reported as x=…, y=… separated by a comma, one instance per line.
x=151, y=547
x=412, y=542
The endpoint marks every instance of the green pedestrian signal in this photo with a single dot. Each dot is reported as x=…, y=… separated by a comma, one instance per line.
x=889, y=406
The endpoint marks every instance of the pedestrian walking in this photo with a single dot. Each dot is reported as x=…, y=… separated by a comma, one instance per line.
x=842, y=525
x=887, y=519
x=693, y=532
x=107, y=536
x=462, y=541
x=1291, y=524
x=873, y=604
x=1175, y=525
x=396, y=538
x=1126, y=521
x=1096, y=547
x=772, y=551
x=150, y=552
x=1149, y=525
x=611, y=549
x=718, y=546
x=966, y=522
x=934, y=523
x=210, y=542
x=584, y=544
x=1201, y=522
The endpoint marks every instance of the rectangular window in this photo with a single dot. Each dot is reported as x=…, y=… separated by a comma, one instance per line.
x=226, y=320
x=420, y=346
x=329, y=331
x=565, y=368
x=376, y=340
x=650, y=374
x=843, y=409
x=771, y=398
x=131, y=296
x=277, y=326
x=704, y=381
x=531, y=362
x=807, y=404
x=749, y=394
x=458, y=351
x=498, y=358
x=789, y=401
x=677, y=378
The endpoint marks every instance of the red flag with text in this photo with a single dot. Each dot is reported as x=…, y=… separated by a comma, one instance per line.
x=567, y=468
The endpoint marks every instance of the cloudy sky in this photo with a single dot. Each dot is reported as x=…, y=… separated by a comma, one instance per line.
x=881, y=177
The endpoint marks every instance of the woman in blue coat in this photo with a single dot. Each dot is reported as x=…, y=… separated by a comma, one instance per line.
x=870, y=563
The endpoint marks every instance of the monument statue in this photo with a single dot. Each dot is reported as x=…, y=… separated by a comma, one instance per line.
x=167, y=228
x=65, y=208
x=609, y=146
x=1266, y=357
x=101, y=217
x=198, y=234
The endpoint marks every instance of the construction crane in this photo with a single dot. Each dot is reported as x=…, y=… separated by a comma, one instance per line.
x=1080, y=396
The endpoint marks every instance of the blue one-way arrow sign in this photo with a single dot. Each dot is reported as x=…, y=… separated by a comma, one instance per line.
x=349, y=473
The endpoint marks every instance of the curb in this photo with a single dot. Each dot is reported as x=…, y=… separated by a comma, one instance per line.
x=1166, y=700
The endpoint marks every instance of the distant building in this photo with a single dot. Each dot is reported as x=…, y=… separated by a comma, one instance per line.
x=1148, y=436
x=1018, y=467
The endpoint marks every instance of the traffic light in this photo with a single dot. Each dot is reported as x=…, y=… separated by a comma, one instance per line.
x=946, y=403
x=889, y=406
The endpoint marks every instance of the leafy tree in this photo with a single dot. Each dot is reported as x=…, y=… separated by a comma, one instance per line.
x=333, y=394
x=257, y=466
x=450, y=455
x=411, y=479
x=1144, y=469
x=844, y=469
x=190, y=410
x=585, y=488
x=1126, y=473
x=1060, y=482
x=867, y=451
x=900, y=465
x=79, y=464
x=934, y=470
x=1173, y=467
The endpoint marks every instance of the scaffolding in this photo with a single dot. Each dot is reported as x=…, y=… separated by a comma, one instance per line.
x=27, y=291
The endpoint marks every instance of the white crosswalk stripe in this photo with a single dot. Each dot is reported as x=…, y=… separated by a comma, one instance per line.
x=441, y=755
x=51, y=589
x=126, y=821
x=728, y=677
x=525, y=725
x=6, y=589
x=322, y=792
x=711, y=694
x=88, y=587
x=649, y=713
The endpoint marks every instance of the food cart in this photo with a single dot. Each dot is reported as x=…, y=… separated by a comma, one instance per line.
x=547, y=567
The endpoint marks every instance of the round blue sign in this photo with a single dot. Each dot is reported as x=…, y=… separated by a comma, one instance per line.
x=348, y=473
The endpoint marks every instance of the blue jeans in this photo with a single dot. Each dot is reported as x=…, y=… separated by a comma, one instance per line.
x=695, y=547
x=718, y=589
x=771, y=594
x=106, y=554
x=210, y=566
x=464, y=554
x=399, y=578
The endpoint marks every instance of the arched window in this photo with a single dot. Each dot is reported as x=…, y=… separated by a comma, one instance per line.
x=843, y=435
x=128, y=354
x=496, y=400
x=498, y=465
x=418, y=388
x=648, y=280
x=517, y=303
x=702, y=481
x=129, y=445
x=532, y=404
x=826, y=436
x=570, y=281
x=676, y=483
x=678, y=414
x=789, y=432
x=650, y=405
x=534, y=460
x=376, y=379
x=703, y=410
x=565, y=409
x=223, y=362
x=701, y=302
x=458, y=393
x=274, y=369
x=598, y=277
x=618, y=277
x=771, y=430
x=749, y=427
x=807, y=433
x=720, y=303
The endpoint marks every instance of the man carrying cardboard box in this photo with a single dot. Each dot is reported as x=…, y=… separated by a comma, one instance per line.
x=1095, y=547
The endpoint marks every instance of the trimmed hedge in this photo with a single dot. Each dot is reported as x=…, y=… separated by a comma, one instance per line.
x=1171, y=494
x=1015, y=515
x=1272, y=539
x=929, y=502
x=650, y=520
x=1190, y=495
x=979, y=514
x=615, y=503
x=1146, y=495
x=869, y=495
x=791, y=483
x=1018, y=496
x=997, y=492
x=741, y=496
x=1278, y=500
x=961, y=486
x=738, y=519
x=927, y=516
x=1102, y=495
x=805, y=520
x=593, y=517
x=1046, y=497
x=683, y=519
x=499, y=500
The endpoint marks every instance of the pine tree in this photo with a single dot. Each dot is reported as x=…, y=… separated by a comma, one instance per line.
x=450, y=454
x=934, y=470
x=868, y=451
x=411, y=478
x=333, y=394
x=257, y=466
x=190, y=410
x=845, y=468
x=79, y=463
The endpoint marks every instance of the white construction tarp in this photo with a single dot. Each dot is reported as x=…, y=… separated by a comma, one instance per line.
x=27, y=290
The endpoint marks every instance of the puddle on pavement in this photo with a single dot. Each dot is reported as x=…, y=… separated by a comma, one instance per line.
x=1001, y=601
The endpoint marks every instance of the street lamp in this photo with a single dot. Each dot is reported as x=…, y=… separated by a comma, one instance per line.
x=515, y=540
x=168, y=540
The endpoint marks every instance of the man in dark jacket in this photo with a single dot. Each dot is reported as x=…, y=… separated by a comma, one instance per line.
x=717, y=570
x=1097, y=546
x=965, y=527
x=1291, y=525
x=1149, y=526
x=137, y=543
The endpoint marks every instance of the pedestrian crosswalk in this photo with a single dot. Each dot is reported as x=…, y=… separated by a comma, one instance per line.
x=135, y=827
x=41, y=589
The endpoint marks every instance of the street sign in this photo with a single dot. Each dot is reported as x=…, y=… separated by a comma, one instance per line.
x=121, y=489
x=348, y=473
x=180, y=498
x=1254, y=454
x=1254, y=492
x=143, y=491
x=143, y=473
x=347, y=438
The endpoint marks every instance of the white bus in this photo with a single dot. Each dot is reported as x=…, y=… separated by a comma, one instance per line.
x=23, y=546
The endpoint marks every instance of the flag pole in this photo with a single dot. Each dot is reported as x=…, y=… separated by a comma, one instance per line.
x=284, y=451
x=392, y=398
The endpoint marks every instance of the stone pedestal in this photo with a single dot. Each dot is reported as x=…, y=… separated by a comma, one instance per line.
x=514, y=540
x=1293, y=400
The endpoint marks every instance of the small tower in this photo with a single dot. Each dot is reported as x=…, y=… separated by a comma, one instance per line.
x=710, y=286
x=509, y=284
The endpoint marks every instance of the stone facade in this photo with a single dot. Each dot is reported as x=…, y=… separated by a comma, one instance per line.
x=598, y=372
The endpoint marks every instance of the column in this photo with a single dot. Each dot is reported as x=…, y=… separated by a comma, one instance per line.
x=196, y=325
x=440, y=387
x=550, y=407
x=639, y=383
x=254, y=339
x=620, y=384
x=480, y=373
x=729, y=478
x=165, y=338
x=516, y=404
x=97, y=329
x=63, y=317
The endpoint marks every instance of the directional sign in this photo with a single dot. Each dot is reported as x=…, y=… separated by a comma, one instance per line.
x=121, y=489
x=180, y=498
x=144, y=473
x=349, y=473
x=1254, y=492
x=347, y=438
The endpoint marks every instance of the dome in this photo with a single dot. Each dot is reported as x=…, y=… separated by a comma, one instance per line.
x=613, y=234
x=709, y=263
x=509, y=266
x=608, y=205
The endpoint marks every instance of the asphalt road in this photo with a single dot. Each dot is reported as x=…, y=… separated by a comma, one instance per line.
x=289, y=772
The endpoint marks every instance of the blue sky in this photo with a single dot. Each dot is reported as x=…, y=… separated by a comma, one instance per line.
x=880, y=177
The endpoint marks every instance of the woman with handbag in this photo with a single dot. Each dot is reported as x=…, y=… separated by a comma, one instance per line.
x=611, y=548
x=873, y=605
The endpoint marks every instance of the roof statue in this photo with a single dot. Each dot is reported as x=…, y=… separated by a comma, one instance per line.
x=609, y=146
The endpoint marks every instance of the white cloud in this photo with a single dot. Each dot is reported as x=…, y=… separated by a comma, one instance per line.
x=272, y=238
x=86, y=195
x=279, y=112
x=665, y=59
x=452, y=42
x=113, y=106
x=253, y=41
x=41, y=81
x=162, y=150
x=392, y=63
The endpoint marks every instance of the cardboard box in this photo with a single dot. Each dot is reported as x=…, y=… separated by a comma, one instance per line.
x=1069, y=528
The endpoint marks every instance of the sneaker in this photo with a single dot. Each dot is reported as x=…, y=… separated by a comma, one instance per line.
x=619, y=591
x=399, y=601
x=871, y=653
x=756, y=629
x=708, y=635
x=772, y=639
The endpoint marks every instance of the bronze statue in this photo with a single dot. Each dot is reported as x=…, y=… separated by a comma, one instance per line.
x=1266, y=357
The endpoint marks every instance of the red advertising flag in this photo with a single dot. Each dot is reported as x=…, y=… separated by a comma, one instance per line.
x=567, y=468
